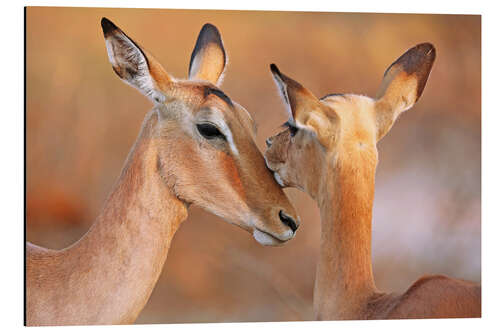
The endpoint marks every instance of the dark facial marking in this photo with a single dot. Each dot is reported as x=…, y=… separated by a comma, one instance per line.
x=331, y=95
x=218, y=93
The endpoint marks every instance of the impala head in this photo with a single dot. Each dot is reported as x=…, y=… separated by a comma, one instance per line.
x=340, y=128
x=205, y=141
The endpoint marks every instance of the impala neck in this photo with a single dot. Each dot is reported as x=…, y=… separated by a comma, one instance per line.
x=123, y=253
x=344, y=277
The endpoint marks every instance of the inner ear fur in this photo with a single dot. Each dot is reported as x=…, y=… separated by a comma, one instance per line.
x=305, y=109
x=402, y=85
x=208, y=59
x=133, y=64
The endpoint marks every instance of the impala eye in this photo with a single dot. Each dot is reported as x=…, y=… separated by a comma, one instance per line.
x=209, y=131
x=293, y=129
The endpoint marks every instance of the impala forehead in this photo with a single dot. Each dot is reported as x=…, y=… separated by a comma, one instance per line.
x=355, y=111
x=201, y=102
x=207, y=91
x=201, y=94
x=197, y=92
x=349, y=104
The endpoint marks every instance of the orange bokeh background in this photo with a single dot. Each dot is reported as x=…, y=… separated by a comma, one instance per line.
x=81, y=121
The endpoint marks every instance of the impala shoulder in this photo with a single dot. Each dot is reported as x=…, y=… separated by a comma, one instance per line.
x=440, y=284
x=439, y=296
x=426, y=281
x=432, y=286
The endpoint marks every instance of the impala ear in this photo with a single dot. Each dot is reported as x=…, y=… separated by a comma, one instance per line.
x=133, y=64
x=208, y=59
x=402, y=85
x=305, y=109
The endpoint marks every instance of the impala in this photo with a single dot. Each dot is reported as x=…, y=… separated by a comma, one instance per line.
x=196, y=146
x=329, y=151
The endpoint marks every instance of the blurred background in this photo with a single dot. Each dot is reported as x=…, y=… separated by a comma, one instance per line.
x=81, y=121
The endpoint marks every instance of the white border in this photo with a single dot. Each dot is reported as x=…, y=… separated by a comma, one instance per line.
x=12, y=159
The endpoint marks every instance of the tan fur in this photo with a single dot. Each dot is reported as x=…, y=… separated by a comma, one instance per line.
x=108, y=275
x=340, y=175
x=212, y=70
x=209, y=58
x=160, y=76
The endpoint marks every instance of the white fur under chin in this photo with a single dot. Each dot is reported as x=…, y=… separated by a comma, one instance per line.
x=265, y=239
x=278, y=179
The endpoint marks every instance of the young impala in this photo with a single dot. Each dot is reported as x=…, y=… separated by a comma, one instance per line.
x=329, y=151
x=196, y=146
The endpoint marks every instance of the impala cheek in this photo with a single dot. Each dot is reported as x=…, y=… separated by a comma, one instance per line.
x=231, y=171
x=272, y=162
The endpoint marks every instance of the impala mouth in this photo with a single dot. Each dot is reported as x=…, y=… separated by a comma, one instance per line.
x=276, y=176
x=278, y=179
x=266, y=238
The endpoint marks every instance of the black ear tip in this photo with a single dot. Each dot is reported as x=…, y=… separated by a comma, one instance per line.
x=107, y=25
x=209, y=26
x=427, y=50
x=428, y=47
x=210, y=30
x=274, y=69
x=432, y=50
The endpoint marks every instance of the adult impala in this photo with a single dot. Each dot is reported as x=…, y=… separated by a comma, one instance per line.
x=329, y=151
x=195, y=146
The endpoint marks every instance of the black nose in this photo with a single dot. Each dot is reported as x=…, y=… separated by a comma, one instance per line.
x=287, y=220
x=269, y=142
